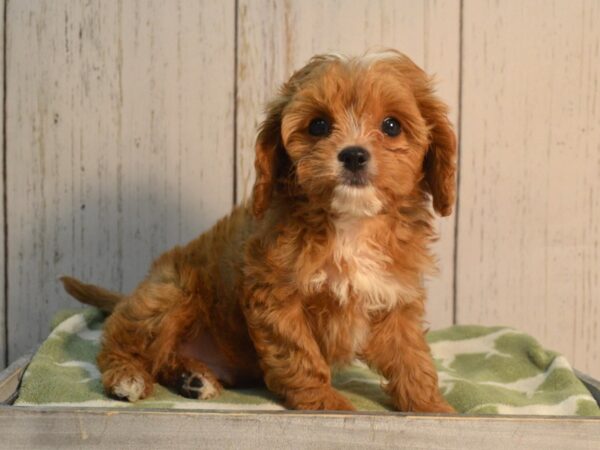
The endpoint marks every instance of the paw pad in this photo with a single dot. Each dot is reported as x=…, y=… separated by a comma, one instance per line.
x=194, y=385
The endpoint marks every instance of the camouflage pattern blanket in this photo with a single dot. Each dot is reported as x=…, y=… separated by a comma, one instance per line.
x=482, y=370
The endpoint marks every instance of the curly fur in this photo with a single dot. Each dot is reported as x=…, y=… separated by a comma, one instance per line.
x=312, y=273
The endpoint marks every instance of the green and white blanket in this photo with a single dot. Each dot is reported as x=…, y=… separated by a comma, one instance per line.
x=483, y=370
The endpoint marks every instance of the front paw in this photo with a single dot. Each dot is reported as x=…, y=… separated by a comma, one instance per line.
x=322, y=399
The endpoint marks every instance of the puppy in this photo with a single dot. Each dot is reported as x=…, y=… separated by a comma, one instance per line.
x=325, y=264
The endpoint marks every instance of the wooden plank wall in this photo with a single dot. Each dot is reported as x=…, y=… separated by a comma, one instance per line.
x=529, y=214
x=130, y=128
x=113, y=155
x=3, y=328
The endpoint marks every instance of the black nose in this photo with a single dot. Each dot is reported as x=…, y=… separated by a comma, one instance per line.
x=354, y=158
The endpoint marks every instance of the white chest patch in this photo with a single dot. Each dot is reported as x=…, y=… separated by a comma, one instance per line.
x=359, y=268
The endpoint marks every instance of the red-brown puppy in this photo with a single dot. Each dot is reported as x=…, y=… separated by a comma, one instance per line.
x=324, y=265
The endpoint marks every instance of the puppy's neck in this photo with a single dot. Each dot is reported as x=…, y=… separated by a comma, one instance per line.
x=356, y=202
x=361, y=266
x=355, y=227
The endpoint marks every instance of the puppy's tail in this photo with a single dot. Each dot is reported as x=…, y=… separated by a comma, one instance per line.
x=91, y=295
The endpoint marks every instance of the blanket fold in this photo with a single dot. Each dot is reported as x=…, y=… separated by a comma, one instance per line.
x=482, y=370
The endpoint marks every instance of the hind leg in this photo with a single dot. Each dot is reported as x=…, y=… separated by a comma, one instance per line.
x=141, y=338
x=125, y=377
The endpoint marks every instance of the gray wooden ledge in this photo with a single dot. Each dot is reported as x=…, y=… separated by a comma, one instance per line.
x=101, y=428
x=10, y=379
x=76, y=427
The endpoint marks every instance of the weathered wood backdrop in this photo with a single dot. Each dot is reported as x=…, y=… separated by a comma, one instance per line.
x=128, y=127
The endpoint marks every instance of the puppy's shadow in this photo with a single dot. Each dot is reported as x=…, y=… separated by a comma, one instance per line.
x=111, y=237
x=363, y=388
x=251, y=394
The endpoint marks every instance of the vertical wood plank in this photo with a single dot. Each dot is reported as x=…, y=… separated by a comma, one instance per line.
x=119, y=141
x=529, y=225
x=275, y=38
x=3, y=347
x=441, y=57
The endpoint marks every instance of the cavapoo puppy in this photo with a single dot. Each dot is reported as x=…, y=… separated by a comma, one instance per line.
x=324, y=264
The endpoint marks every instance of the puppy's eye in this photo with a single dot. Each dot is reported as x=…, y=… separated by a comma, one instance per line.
x=319, y=127
x=390, y=126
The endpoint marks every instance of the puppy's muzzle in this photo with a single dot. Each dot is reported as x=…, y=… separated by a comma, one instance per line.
x=354, y=159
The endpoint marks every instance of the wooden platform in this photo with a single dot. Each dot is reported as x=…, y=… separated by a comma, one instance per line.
x=76, y=427
x=27, y=427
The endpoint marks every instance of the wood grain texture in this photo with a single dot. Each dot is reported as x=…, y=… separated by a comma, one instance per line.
x=277, y=37
x=3, y=318
x=529, y=224
x=119, y=141
x=10, y=379
x=28, y=427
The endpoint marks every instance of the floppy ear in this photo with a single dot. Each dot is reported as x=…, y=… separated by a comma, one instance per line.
x=270, y=157
x=440, y=161
x=272, y=163
x=439, y=165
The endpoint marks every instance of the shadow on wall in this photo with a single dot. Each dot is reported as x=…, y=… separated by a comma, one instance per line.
x=106, y=233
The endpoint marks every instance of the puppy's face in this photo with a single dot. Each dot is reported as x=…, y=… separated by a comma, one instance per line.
x=357, y=135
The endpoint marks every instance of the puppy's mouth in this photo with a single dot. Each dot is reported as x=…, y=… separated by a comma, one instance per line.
x=355, y=179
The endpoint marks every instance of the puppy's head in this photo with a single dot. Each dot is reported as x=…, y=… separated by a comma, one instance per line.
x=355, y=136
